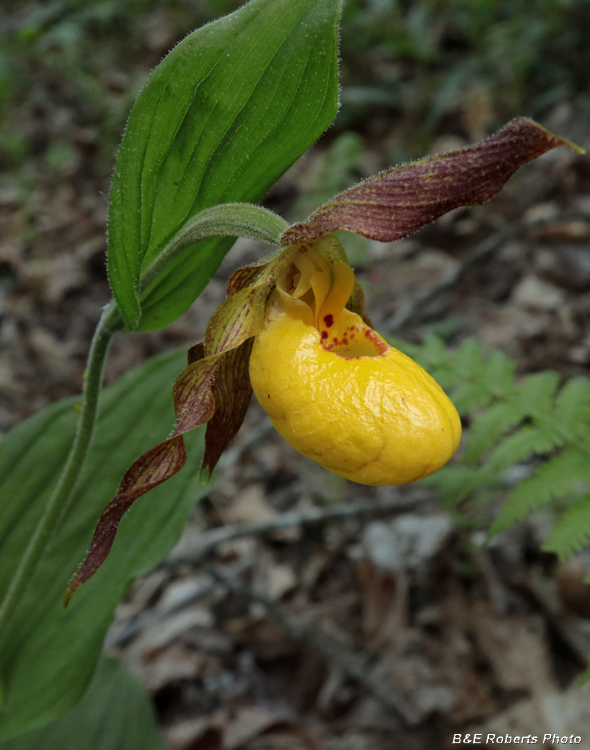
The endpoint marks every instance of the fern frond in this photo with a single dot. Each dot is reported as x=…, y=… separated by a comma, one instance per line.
x=453, y=482
x=468, y=366
x=470, y=396
x=436, y=359
x=510, y=425
x=499, y=375
x=469, y=360
x=561, y=419
x=520, y=446
x=572, y=531
x=572, y=406
x=435, y=351
x=537, y=391
x=489, y=426
x=554, y=480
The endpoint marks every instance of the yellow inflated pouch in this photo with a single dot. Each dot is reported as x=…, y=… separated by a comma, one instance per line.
x=337, y=392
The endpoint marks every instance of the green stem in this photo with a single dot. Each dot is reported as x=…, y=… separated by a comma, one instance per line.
x=109, y=323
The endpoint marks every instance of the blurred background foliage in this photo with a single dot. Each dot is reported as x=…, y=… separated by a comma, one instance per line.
x=410, y=70
x=482, y=60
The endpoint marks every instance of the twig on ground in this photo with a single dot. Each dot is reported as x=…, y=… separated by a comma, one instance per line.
x=353, y=664
x=310, y=517
x=480, y=253
x=120, y=636
x=209, y=540
x=133, y=627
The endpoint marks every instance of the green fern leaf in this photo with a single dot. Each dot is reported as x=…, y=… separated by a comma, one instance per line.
x=470, y=396
x=452, y=481
x=412, y=350
x=468, y=361
x=519, y=446
x=572, y=531
x=572, y=406
x=554, y=480
x=537, y=390
x=489, y=426
x=499, y=375
x=435, y=358
x=536, y=397
x=515, y=423
x=569, y=418
x=434, y=355
x=476, y=377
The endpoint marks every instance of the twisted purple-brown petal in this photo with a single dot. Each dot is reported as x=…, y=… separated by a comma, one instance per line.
x=215, y=382
x=194, y=405
x=232, y=392
x=396, y=203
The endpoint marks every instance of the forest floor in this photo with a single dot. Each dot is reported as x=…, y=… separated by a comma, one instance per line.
x=365, y=619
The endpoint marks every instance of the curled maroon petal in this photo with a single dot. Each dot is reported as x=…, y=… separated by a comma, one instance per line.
x=396, y=203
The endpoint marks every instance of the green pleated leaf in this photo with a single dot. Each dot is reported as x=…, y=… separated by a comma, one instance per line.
x=49, y=654
x=115, y=714
x=220, y=119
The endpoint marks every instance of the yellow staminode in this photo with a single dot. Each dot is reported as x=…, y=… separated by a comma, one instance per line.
x=337, y=392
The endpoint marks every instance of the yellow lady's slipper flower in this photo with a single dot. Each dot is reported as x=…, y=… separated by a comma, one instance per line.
x=337, y=392
x=333, y=388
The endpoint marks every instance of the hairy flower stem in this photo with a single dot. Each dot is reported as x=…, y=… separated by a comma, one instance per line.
x=109, y=323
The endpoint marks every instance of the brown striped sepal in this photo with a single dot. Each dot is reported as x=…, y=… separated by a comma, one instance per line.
x=396, y=203
x=213, y=389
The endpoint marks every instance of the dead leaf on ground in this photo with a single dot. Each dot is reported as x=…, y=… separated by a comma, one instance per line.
x=245, y=728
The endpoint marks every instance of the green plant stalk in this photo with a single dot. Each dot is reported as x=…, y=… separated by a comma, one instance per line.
x=109, y=323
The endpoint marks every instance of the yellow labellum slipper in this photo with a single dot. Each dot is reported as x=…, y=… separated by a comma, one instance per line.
x=338, y=393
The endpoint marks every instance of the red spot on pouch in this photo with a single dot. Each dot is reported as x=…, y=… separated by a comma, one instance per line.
x=324, y=334
x=380, y=345
x=329, y=320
